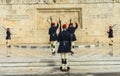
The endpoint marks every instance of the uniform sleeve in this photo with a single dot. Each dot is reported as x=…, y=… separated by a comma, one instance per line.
x=69, y=25
x=49, y=32
x=76, y=26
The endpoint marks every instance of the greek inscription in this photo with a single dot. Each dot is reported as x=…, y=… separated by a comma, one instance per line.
x=16, y=17
x=101, y=16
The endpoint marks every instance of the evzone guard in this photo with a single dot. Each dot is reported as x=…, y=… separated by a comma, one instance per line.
x=8, y=36
x=64, y=39
x=110, y=34
x=53, y=36
x=71, y=29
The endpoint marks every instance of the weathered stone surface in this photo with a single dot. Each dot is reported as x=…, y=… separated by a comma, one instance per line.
x=39, y=61
x=29, y=19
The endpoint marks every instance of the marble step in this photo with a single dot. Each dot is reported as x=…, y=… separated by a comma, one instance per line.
x=46, y=65
x=55, y=61
x=52, y=63
x=58, y=59
x=55, y=70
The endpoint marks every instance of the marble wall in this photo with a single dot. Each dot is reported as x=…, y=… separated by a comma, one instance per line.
x=29, y=20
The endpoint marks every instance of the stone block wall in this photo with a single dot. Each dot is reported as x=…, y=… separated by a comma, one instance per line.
x=29, y=21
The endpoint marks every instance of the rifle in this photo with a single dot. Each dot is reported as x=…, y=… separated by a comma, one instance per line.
x=70, y=20
x=60, y=25
x=4, y=27
x=114, y=25
x=51, y=19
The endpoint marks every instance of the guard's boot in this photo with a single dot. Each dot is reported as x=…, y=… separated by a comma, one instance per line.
x=110, y=44
x=9, y=46
x=72, y=52
x=111, y=40
x=68, y=68
x=63, y=65
x=61, y=69
x=53, y=53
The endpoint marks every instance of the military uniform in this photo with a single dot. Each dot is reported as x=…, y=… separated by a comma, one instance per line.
x=64, y=48
x=53, y=36
x=110, y=35
x=8, y=37
x=72, y=29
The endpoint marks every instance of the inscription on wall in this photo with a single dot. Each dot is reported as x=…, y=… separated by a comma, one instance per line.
x=106, y=11
x=16, y=17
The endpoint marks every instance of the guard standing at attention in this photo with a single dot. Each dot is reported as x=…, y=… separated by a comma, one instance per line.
x=64, y=48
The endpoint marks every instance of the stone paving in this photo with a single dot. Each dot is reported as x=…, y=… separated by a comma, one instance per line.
x=93, y=59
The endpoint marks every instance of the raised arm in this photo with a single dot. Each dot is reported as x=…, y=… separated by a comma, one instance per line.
x=50, y=20
x=76, y=25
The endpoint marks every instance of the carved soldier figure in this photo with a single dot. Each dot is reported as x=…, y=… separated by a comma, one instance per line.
x=53, y=36
x=64, y=48
x=72, y=29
